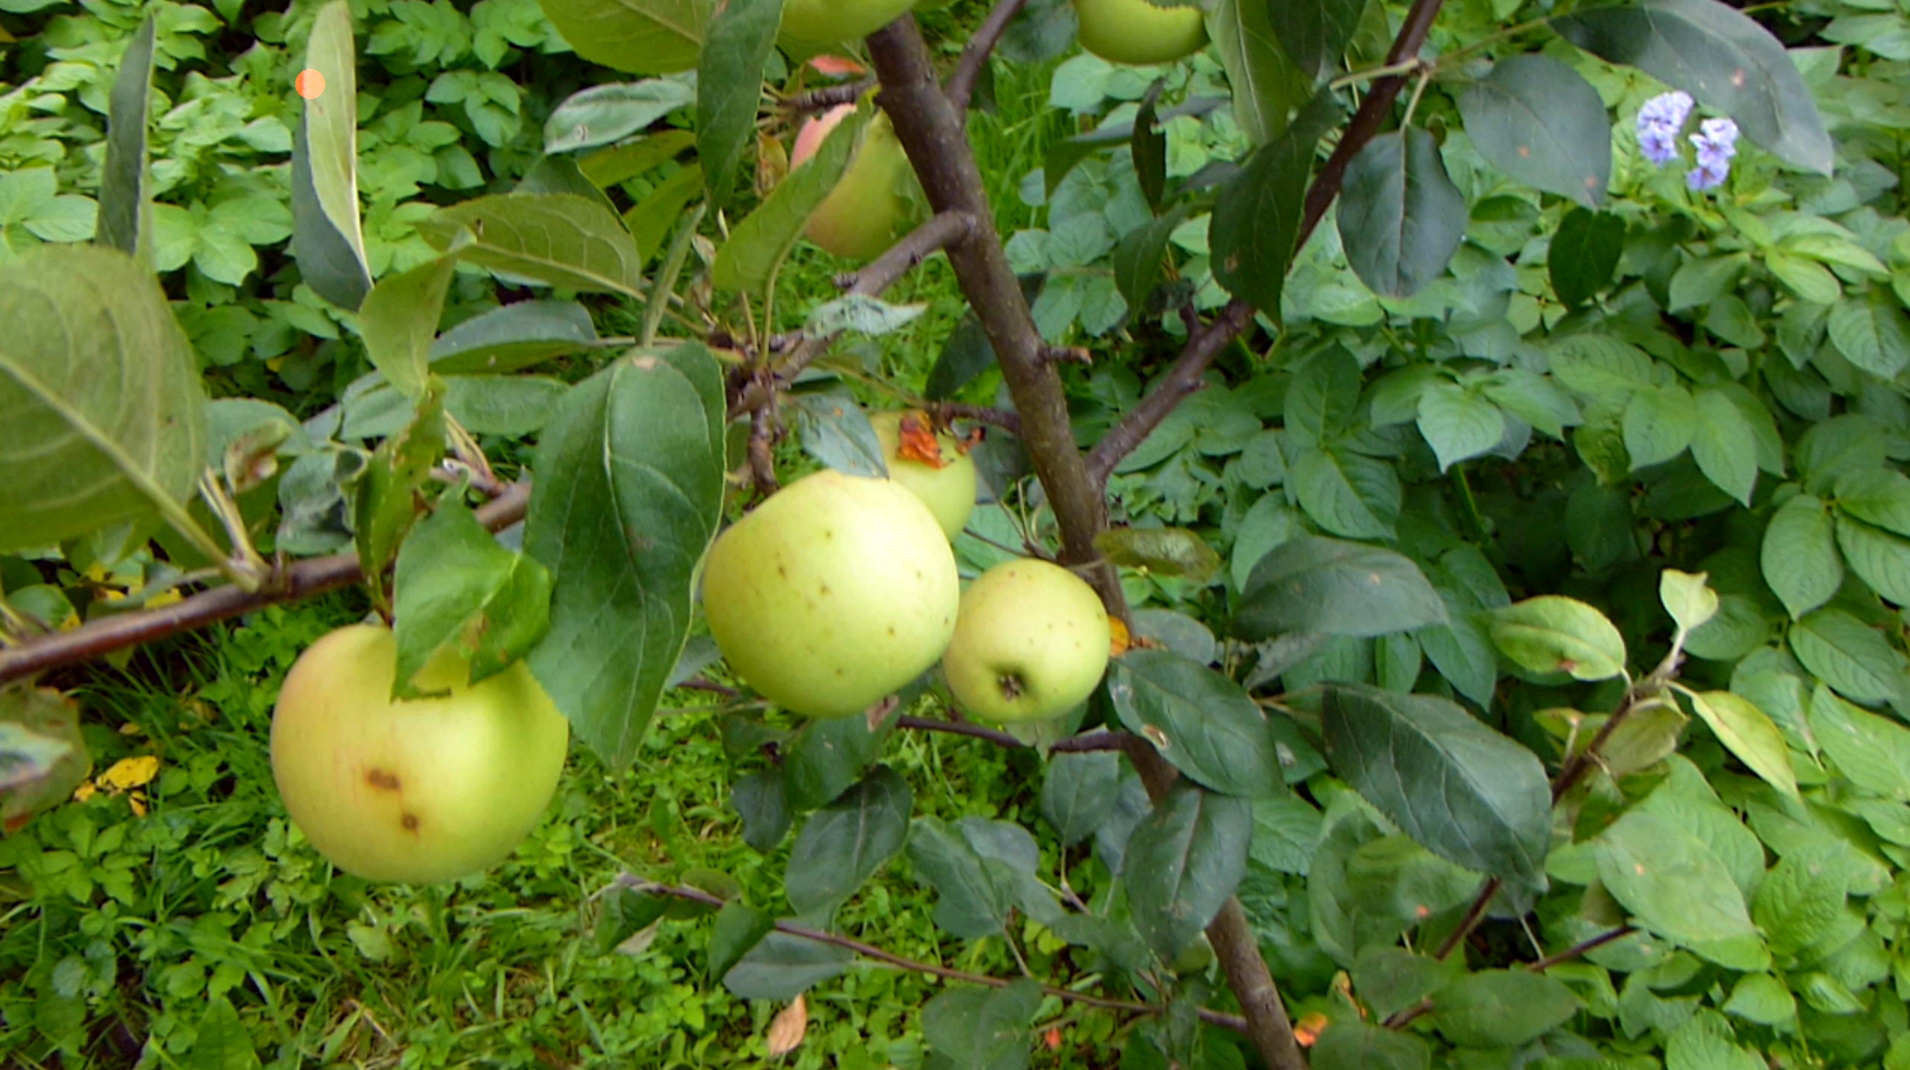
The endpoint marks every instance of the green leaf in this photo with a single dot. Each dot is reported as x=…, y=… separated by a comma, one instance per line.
x=1667, y=877
x=1846, y=445
x=557, y=239
x=327, y=239
x=1391, y=979
x=1687, y=597
x=1854, y=659
x=1872, y=332
x=759, y=243
x=1314, y=584
x=1267, y=85
x=1316, y=33
x=1725, y=445
x=399, y=319
x=222, y=1041
x=1350, y=1044
x=1720, y=56
x=974, y=1028
x=1748, y=733
x=1801, y=900
x=1461, y=790
x=634, y=36
x=1878, y=496
x=843, y=844
x=1147, y=147
x=1537, y=400
x=1078, y=793
x=639, y=450
x=514, y=337
x=737, y=930
x=1584, y=254
x=1286, y=829
x=99, y=395
x=1551, y=634
x=1175, y=552
x=1880, y=558
x=1871, y=752
x=1400, y=216
x=1346, y=493
x=1660, y=422
x=828, y=755
x=782, y=967
x=1138, y=262
x=1542, y=123
x=1256, y=217
x=1703, y=1042
x=970, y=902
x=43, y=757
x=1458, y=424
x=606, y=113
x=1182, y=864
x=762, y=799
x=125, y=194
x=1761, y=998
x=834, y=430
x=1799, y=555
x=862, y=314
x=457, y=587
x=1502, y=1008
x=1200, y=721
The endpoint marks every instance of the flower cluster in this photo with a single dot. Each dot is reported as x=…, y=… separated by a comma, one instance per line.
x=1659, y=123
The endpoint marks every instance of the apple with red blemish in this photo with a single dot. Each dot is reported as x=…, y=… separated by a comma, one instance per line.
x=934, y=467
x=421, y=791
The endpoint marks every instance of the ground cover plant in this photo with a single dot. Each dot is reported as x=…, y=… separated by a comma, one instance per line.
x=1480, y=425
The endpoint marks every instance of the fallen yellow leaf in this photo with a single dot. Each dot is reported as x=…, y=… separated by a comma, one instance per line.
x=128, y=773
x=787, y=1029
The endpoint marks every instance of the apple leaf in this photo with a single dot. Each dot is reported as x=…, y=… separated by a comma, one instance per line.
x=557, y=239
x=457, y=585
x=1183, y=862
x=327, y=239
x=782, y=967
x=514, y=337
x=125, y=186
x=844, y=843
x=1078, y=795
x=635, y=36
x=758, y=244
x=728, y=87
x=1199, y=720
x=1315, y=584
x=638, y=450
x=762, y=798
x=388, y=490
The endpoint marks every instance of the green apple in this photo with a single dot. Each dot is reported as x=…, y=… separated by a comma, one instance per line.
x=877, y=199
x=811, y=27
x=428, y=790
x=1138, y=32
x=832, y=594
x=947, y=489
x=1031, y=643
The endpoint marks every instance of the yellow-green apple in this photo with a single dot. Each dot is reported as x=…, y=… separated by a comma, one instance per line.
x=1136, y=31
x=426, y=790
x=1031, y=642
x=933, y=467
x=877, y=199
x=814, y=26
x=832, y=594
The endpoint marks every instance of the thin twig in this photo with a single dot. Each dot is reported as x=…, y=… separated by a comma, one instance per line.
x=870, y=951
x=1088, y=741
x=1401, y=1019
x=981, y=414
x=1180, y=381
x=968, y=69
x=304, y=579
x=941, y=231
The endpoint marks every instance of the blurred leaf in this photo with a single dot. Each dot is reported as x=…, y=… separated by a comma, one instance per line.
x=1078, y=793
x=1871, y=752
x=1458, y=788
x=125, y=193
x=1176, y=552
x=1391, y=979
x=613, y=111
x=1501, y=1008
x=560, y=174
x=1872, y=332
x=1314, y=584
x=1198, y=719
x=1182, y=863
x=1257, y=215
x=1748, y=733
x=862, y=314
x=557, y=239
x=729, y=85
x=222, y=1041
x=389, y=489
x=1853, y=659
x=782, y=967
x=457, y=586
x=399, y=319
x=759, y=243
x=623, y=913
x=1458, y=423
x=973, y=1028
x=1689, y=600
x=1400, y=216
x=513, y=337
x=634, y=36
x=1800, y=902
x=845, y=842
x=737, y=929
x=1350, y=1044
x=1551, y=634
x=1540, y=122
x=1139, y=258
x=327, y=240
x=1148, y=147
x=1880, y=558
x=1267, y=85
x=828, y=755
x=1720, y=56
x=42, y=755
x=1316, y=33
x=1584, y=254
x=834, y=430
x=99, y=395
x=762, y=800
x=640, y=449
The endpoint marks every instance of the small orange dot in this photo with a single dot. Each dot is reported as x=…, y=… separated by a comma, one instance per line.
x=309, y=84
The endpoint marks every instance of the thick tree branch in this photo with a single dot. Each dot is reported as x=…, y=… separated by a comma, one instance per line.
x=1183, y=379
x=304, y=579
x=870, y=951
x=941, y=231
x=961, y=84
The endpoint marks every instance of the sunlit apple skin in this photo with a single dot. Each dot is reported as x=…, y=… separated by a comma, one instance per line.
x=948, y=491
x=427, y=790
x=873, y=203
x=832, y=594
x=1137, y=32
x=811, y=27
x=1031, y=643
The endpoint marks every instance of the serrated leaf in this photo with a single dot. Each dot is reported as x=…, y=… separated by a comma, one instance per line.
x=513, y=337
x=639, y=450
x=1688, y=598
x=1871, y=332
x=1880, y=558
x=457, y=587
x=759, y=243
x=845, y=842
x=1550, y=634
x=222, y=1041
x=1459, y=789
x=1315, y=584
x=399, y=320
x=1801, y=900
x=558, y=239
x=327, y=239
x=1400, y=216
x=99, y=395
x=1182, y=864
x=125, y=195
x=1457, y=423
x=1078, y=793
x=1720, y=56
x=1267, y=85
x=607, y=113
x=1198, y=719
x=1854, y=659
x=634, y=36
x=1748, y=733
x=1799, y=555
x=1540, y=122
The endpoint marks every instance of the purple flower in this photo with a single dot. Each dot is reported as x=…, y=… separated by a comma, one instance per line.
x=1716, y=142
x=1658, y=124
